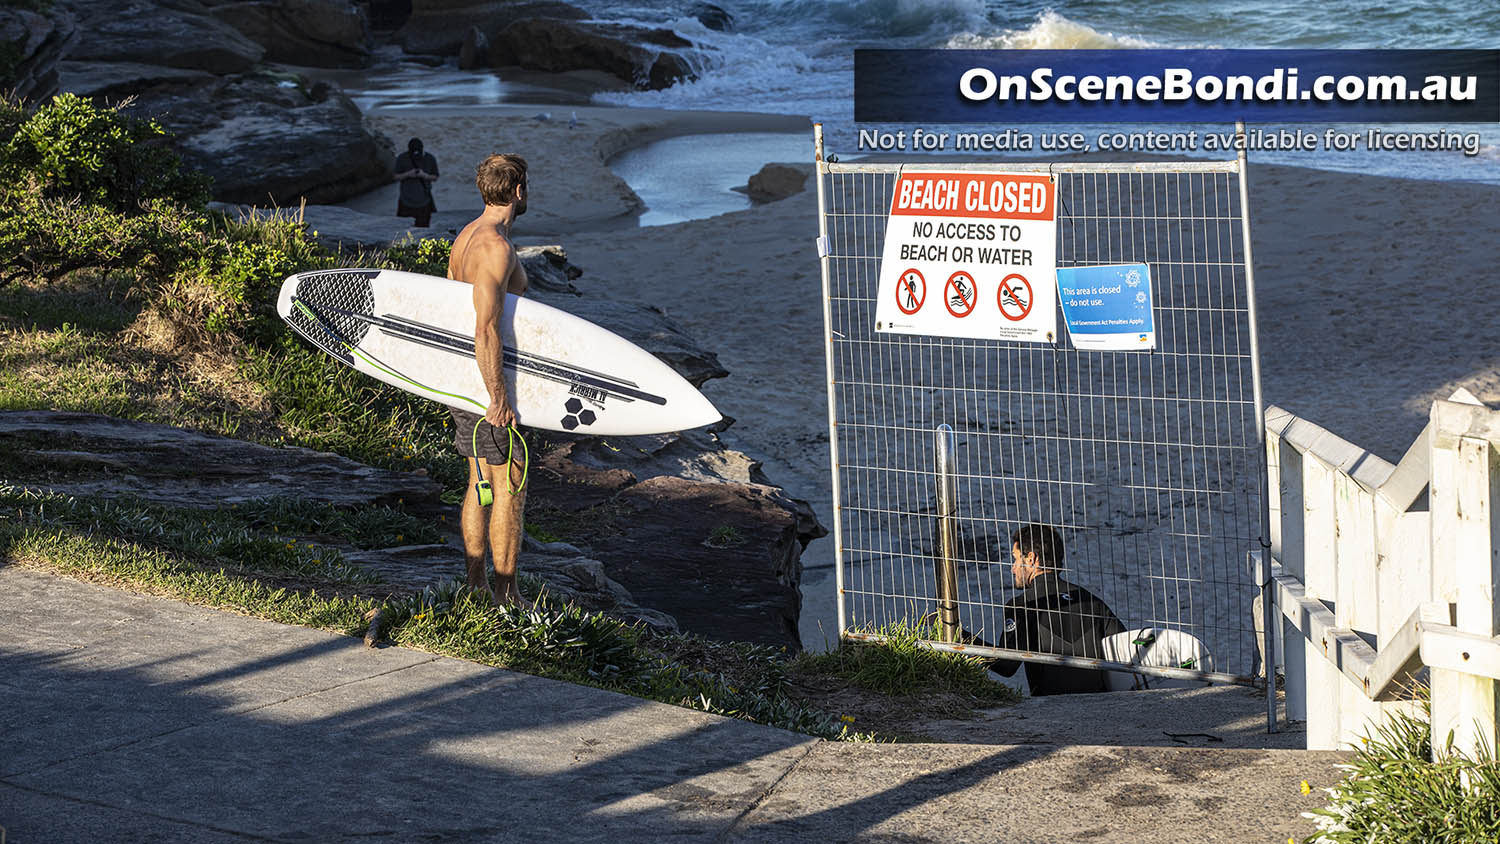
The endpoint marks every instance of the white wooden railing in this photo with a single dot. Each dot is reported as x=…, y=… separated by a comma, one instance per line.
x=1384, y=575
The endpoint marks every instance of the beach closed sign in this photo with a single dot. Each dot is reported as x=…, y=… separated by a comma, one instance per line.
x=970, y=254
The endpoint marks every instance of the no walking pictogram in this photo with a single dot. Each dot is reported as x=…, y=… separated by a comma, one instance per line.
x=911, y=292
x=1015, y=297
x=960, y=294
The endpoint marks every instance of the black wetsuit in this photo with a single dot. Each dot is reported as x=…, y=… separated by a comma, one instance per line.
x=1053, y=616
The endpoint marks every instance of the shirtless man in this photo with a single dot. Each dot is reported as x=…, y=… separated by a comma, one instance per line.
x=484, y=257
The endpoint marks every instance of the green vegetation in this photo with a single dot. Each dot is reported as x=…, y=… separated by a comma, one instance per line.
x=122, y=294
x=126, y=297
x=902, y=666
x=1394, y=793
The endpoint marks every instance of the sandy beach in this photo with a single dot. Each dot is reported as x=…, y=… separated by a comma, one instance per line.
x=1373, y=292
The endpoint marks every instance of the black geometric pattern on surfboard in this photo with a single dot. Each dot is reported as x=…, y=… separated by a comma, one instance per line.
x=337, y=295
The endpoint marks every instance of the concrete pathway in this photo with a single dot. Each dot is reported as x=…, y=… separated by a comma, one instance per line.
x=131, y=718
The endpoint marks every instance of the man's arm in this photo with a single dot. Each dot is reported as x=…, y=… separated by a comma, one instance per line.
x=489, y=308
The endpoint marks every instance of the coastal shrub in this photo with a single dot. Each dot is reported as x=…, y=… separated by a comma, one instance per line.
x=230, y=282
x=47, y=237
x=428, y=255
x=1394, y=793
x=84, y=186
x=71, y=148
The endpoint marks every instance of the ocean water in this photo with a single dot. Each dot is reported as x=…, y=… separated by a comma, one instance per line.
x=787, y=56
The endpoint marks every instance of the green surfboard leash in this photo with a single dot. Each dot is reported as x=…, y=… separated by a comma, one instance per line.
x=482, y=488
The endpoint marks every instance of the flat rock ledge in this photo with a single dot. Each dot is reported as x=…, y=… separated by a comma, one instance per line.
x=90, y=455
x=676, y=531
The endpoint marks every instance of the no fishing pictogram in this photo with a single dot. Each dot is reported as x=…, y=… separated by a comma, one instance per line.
x=1015, y=297
x=911, y=291
x=960, y=294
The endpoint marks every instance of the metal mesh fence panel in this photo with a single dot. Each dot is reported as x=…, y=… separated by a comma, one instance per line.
x=1147, y=462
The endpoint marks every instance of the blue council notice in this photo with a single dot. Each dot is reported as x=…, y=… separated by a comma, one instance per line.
x=1108, y=308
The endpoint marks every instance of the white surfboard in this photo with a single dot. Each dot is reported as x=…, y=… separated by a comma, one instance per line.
x=562, y=373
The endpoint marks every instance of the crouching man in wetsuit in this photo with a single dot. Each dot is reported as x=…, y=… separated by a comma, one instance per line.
x=1052, y=616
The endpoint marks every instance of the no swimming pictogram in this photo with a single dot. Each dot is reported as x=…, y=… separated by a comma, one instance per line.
x=1015, y=297
x=911, y=291
x=960, y=294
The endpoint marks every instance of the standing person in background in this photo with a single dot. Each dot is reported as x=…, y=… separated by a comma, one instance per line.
x=416, y=171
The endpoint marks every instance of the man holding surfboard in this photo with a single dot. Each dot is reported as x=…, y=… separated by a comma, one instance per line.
x=484, y=257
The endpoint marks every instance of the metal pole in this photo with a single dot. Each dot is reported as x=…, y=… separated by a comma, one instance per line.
x=833, y=424
x=947, y=530
x=1268, y=612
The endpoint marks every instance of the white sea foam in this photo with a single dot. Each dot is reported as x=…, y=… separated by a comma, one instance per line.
x=1050, y=31
x=739, y=72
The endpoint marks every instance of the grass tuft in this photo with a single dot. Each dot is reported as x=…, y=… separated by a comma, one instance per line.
x=902, y=666
x=1395, y=793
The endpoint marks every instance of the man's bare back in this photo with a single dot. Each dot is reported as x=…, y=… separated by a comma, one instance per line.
x=480, y=252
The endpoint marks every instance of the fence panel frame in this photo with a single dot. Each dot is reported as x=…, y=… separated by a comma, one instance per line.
x=827, y=166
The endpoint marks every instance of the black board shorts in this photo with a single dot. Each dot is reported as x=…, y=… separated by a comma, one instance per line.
x=494, y=443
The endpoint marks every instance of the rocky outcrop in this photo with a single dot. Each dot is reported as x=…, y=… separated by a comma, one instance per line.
x=777, y=181
x=686, y=525
x=712, y=17
x=387, y=15
x=474, y=53
x=547, y=269
x=116, y=80
x=31, y=47
x=637, y=55
x=172, y=34
x=89, y=455
x=310, y=33
x=566, y=573
x=439, y=26
x=269, y=139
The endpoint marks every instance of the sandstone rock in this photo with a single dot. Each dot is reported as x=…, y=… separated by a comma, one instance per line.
x=86, y=454
x=387, y=15
x=723, y=559
x=475, y=51
x=311, y=33
x=439, y=26
x=687, y=522
x=777, y=181
x=712, y=16
x=548, y=270
x=31, y=47
x=272, y=140
x=170, y=34
x=638, y=55
x=117, y=80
